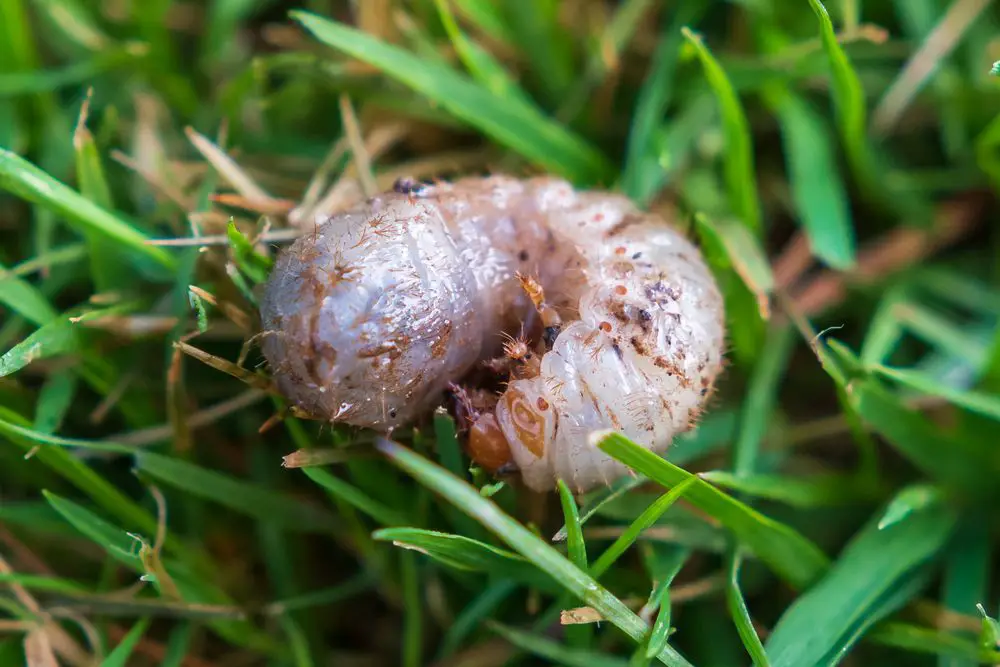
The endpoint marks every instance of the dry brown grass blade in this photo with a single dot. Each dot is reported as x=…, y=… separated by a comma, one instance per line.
x=230, y=171
x=277, y=207
x=56, y=639
x=226, y=366
x=961, y=14
x=361, y=158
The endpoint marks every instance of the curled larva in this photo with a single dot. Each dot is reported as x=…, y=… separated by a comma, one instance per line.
x=599, y=316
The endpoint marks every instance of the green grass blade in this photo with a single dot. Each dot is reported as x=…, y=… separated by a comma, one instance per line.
x=849, y=97
x=554, y=652
x=520, y=127
x=574, y=531
x=978, y=402
x=25, y=299
x=932, y=642
x=25, y=180
x=874, y=567
x=819, y=195
x=544, y=557
x=466, y=554
x=746, y=301
x=478, y=61
x=642, y=161
x=355, y=497
x=820, y=490
x=741, y=615
x=122, y=653
x=758, y=407
x=115, y=541
x=243, y=497
x=741, y=178
x=797, y=560
x=642, y=522
x=54, y=401
x=77, y=473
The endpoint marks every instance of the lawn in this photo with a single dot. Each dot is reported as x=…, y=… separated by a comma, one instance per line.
x=837, y=163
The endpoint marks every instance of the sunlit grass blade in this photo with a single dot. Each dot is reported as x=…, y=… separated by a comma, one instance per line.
x=820, y=196
x=519, y=126
x=25, y=180
x=788, y=553
x=874, y=575
x=554, y=652
x=243, y=497
x=741, y=178
x=530, y=546
x=642, y=161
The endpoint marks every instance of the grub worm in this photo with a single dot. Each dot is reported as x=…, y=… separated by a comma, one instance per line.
x=612, y=321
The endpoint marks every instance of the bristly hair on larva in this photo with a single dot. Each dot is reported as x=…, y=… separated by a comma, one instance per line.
x=596, y=314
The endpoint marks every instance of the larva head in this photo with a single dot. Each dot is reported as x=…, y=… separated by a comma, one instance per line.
x=363, y=314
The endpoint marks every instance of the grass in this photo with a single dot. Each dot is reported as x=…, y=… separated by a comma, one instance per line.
x=837, y=503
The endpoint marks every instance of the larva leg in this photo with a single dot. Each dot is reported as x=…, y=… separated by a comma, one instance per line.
x=551, y=321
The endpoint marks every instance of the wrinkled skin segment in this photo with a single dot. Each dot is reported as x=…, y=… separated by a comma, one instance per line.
x=370, y=317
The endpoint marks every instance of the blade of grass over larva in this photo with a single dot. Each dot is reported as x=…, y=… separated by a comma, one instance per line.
x=511, y=122
x=873, y=576
x=741, y=179
x=25, y=180
x=793, y=557
x=530, y=546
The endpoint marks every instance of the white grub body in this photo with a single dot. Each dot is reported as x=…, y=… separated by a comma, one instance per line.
x=374, y=313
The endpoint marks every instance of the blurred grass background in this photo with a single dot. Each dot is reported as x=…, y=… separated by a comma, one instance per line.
x=838, y=165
